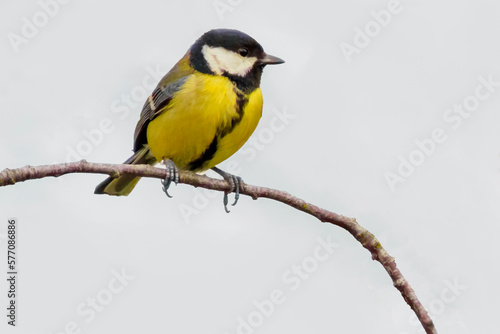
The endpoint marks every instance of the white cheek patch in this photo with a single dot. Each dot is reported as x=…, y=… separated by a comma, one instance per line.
x=222, y=60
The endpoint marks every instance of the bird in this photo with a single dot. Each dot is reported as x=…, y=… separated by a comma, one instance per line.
x=201, y=112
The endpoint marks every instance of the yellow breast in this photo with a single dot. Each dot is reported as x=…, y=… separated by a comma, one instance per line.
x=199, y=123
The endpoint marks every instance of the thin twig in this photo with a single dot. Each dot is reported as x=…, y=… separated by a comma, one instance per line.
x=367, y=239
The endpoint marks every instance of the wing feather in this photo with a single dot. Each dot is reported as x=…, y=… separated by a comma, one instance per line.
x=158, y=101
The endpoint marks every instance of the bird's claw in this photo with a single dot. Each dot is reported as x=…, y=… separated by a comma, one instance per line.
x=236, y=181
x=172, y=176
x=235, y=184
x=225, y=200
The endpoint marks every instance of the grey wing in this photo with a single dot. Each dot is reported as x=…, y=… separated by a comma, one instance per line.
x=153, y=107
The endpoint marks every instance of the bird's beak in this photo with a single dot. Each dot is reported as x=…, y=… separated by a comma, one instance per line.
x=270, y=60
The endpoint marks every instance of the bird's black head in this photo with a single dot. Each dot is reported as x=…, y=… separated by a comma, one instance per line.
x=233, y=54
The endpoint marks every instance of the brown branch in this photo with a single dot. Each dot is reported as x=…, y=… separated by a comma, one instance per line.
x=368, y=240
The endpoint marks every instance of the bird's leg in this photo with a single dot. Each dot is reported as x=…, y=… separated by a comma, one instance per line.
x=172, y=176
x=235, y=183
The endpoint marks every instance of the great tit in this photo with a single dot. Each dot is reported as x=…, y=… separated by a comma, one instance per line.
x=202, y=111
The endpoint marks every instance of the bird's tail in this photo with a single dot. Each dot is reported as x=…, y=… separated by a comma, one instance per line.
x=123, y=185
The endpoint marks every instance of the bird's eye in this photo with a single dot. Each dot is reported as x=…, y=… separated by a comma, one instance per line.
x=243, y=52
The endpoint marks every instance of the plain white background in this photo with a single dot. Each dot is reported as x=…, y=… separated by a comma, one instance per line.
x=351, y=119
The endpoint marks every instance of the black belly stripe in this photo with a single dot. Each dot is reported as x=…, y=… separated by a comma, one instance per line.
x=241, y=102
x=208, y=154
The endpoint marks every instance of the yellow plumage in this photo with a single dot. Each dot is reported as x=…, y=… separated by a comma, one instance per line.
x=233, y=141
x=193, y=117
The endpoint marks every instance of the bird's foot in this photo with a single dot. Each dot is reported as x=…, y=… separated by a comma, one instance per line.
x=172, y=176
x=235, y=182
